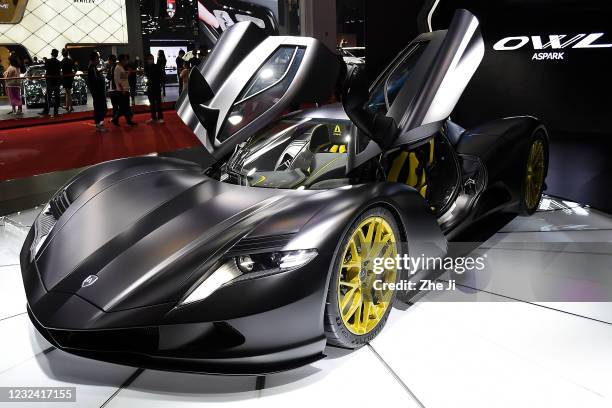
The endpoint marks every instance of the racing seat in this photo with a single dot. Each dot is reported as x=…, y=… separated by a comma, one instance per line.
x=412, y=166
x=324, y=141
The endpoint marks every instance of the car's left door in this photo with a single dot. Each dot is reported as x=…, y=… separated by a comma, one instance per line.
x=249, y=80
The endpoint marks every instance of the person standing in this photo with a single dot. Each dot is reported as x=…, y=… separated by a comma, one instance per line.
x=53, y=73
x=194, y=61
x=68, y=72
x=161, y=63
x=154, y=89
x=97, y=87
x=179, y=67
x=199, y=56
x=111, y=64
x=132, y=69
x=2, y=83
x=25, y=65
x=184, y=77
x=13, y=85
x=123, y=91
x=203, y=53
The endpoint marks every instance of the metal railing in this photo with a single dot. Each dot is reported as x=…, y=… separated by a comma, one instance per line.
x=33, y=96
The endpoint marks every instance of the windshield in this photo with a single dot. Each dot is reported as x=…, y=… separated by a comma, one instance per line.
x=384, y=93
x=294, y=153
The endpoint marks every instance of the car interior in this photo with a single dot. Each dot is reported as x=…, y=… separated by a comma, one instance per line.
x=311, y=153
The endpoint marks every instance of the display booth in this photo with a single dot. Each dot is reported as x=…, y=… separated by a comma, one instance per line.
x=549, y=59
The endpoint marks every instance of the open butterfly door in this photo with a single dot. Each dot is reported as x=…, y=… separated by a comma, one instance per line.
x=417, y=92
x=249, y=80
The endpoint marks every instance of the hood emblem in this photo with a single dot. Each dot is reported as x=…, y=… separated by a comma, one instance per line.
x=90, y=280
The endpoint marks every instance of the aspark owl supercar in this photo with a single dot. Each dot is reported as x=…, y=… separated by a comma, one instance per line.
x=257, y=262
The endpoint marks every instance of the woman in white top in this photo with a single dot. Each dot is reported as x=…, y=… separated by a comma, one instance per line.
x=13, y=85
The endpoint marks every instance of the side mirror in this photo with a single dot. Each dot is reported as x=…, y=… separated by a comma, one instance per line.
x=380, y=128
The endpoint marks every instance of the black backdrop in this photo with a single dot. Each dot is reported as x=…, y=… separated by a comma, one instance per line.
x=572, y=96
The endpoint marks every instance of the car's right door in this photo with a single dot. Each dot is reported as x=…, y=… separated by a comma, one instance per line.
x=419, y=89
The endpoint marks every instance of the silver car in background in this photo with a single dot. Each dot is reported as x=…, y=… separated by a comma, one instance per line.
x=35, y=88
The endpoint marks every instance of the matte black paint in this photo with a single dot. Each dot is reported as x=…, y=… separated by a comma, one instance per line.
x=151, y=229
x=163, y=209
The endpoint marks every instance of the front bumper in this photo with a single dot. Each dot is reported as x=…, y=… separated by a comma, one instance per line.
x=224, y=334
x=155, y=347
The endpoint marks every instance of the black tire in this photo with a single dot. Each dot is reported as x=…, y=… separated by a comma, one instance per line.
x=525, y=208
x=335, y=329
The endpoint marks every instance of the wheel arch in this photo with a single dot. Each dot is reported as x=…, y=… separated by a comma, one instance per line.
x=418, y=226
x=501, y=145
x=396, y=216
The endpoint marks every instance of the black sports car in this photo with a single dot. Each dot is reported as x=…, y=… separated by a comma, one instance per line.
x=34, y=88
x=257, y=262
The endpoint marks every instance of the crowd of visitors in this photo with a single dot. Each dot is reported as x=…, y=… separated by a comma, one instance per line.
x=115, y=78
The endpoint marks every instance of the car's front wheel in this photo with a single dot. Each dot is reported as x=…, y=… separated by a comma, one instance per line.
x=359, y=298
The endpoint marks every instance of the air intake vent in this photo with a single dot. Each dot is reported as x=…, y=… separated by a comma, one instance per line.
x=59, y=204
x=42, y=227
x=45, y=222
x=141, y=340
x=261, y=244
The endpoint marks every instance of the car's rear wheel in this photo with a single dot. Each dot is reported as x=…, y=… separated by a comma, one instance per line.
x=536, y=167
x=359, y=300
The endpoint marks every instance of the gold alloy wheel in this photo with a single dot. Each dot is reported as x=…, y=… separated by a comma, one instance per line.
x=535, y=174
x=361, y=306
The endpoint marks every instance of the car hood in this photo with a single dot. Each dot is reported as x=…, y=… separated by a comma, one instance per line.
x=146, y=239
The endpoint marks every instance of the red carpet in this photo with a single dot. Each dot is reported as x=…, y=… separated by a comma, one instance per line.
x=29, y=151
x=35, y=120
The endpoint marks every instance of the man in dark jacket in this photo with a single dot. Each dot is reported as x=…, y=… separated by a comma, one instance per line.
x=53, y=77
x=154, y=75
x=180, y=62
x=97, y=86
x=132, y=69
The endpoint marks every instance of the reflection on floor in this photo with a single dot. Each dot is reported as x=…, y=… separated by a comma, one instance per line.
x=510, y=348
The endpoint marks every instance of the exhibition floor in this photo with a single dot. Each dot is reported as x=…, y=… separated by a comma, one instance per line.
x=5, y=108
x=490, y=343
x=54, y=147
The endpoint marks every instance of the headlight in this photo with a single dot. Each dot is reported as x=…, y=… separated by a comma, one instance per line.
x=250, y=266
